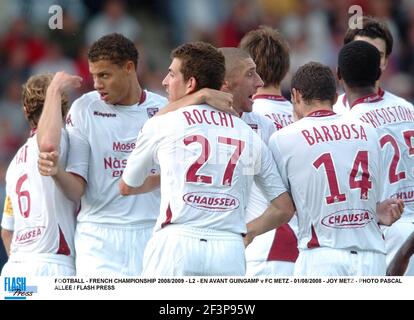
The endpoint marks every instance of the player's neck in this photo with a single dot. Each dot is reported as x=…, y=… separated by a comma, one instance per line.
x=269, y=90
x=134, y=95
x=355, y=94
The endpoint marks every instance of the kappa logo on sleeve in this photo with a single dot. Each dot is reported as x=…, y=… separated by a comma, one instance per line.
x=8, y=209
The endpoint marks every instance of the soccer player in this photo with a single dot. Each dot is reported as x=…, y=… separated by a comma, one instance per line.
x=38, y=223
x=376, y=33
x=332, y=166
x=393, y=119
x=275, y=252
x=103, y=125
x=207, y=160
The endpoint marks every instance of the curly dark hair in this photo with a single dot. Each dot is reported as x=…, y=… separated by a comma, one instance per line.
x=115, y=48
x=34, y=95
x=359, y=64
x=203, y=62
x=269, y=51
x=315, y=81
x=372, y=28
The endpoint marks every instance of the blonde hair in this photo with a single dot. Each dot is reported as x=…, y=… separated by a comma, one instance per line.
x=34, y=95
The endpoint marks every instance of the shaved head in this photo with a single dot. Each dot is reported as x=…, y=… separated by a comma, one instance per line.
x=233, y=57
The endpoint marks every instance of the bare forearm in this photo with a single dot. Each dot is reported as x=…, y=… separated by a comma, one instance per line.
x=50, y=123
x=7, y=236
x=151, y=182
x=278, y=213
x=72, y=185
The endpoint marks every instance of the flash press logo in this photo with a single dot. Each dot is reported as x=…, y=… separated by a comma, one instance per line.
x=17, y=289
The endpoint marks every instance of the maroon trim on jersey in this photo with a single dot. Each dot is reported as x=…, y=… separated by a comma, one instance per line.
x=284, y=246
x=78, y=175
x=314, y=242
x=381, y=93
x=321, y=113
x=272, y=97
x=374, y=97
x=32, y=132
x=63, y=245
x=168, y=214
x=143, y=97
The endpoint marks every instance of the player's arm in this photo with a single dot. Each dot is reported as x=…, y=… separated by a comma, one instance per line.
x=137, y=177
x=399, y=263
x=72, y=185
x=151, y=182
x=6, y=236
x=220, y=100
x=280, y=211
x=389, y=211
x=51, y=121
x=7, y=224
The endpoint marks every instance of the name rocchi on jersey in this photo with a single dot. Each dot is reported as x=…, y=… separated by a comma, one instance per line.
x=334, y=133
x=209, y=117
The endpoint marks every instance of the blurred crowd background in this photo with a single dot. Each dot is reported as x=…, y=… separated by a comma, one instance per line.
x=313, y=28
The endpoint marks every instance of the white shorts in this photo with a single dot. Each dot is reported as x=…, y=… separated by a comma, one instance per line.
x=186, y=251
x=269, y=268
x=395, y=236
x=42, y=264
x=339, y=262
x=110, y=250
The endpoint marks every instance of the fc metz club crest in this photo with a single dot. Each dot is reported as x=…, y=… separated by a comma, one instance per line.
x=151, y=112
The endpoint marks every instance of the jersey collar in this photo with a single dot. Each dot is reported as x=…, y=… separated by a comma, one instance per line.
x=374, y=97
x=321, y=113
x=272, y=97
x=381, y=93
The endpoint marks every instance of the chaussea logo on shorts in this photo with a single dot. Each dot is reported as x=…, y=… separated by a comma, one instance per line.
x=349, y=218
x=211, y=201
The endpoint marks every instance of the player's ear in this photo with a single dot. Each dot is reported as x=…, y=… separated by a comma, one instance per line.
x=295, y=96
x=130, y=66
x=191, y=85
x=225, y=86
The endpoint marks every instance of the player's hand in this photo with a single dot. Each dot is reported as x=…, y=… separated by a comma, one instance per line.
x=389, y=211
x=247, y=239
x=220, y=100
x=63, y=81
x=48, y=163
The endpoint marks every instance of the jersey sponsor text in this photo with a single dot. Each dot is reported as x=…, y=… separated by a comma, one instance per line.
x=211, y=201
x=349, y=218
x=28, y=235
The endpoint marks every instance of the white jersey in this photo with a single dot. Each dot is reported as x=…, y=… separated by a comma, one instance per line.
x=208, y=159
x=342, y=105
x=275, y=107
x=41, y=217
x=393, y=119
x=275, y=245
x=332, y=166
x=102, y=136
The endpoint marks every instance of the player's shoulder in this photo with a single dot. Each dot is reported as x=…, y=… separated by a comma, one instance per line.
x=86, y=101
x=155, y=99
x=390, y=97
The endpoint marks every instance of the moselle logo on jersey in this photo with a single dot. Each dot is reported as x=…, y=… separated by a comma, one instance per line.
x=29, y=235
x=348, y=218
x=123, y=146
x=406, y=194
x=211, y=201
x=115, y=165
x=16, y=288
